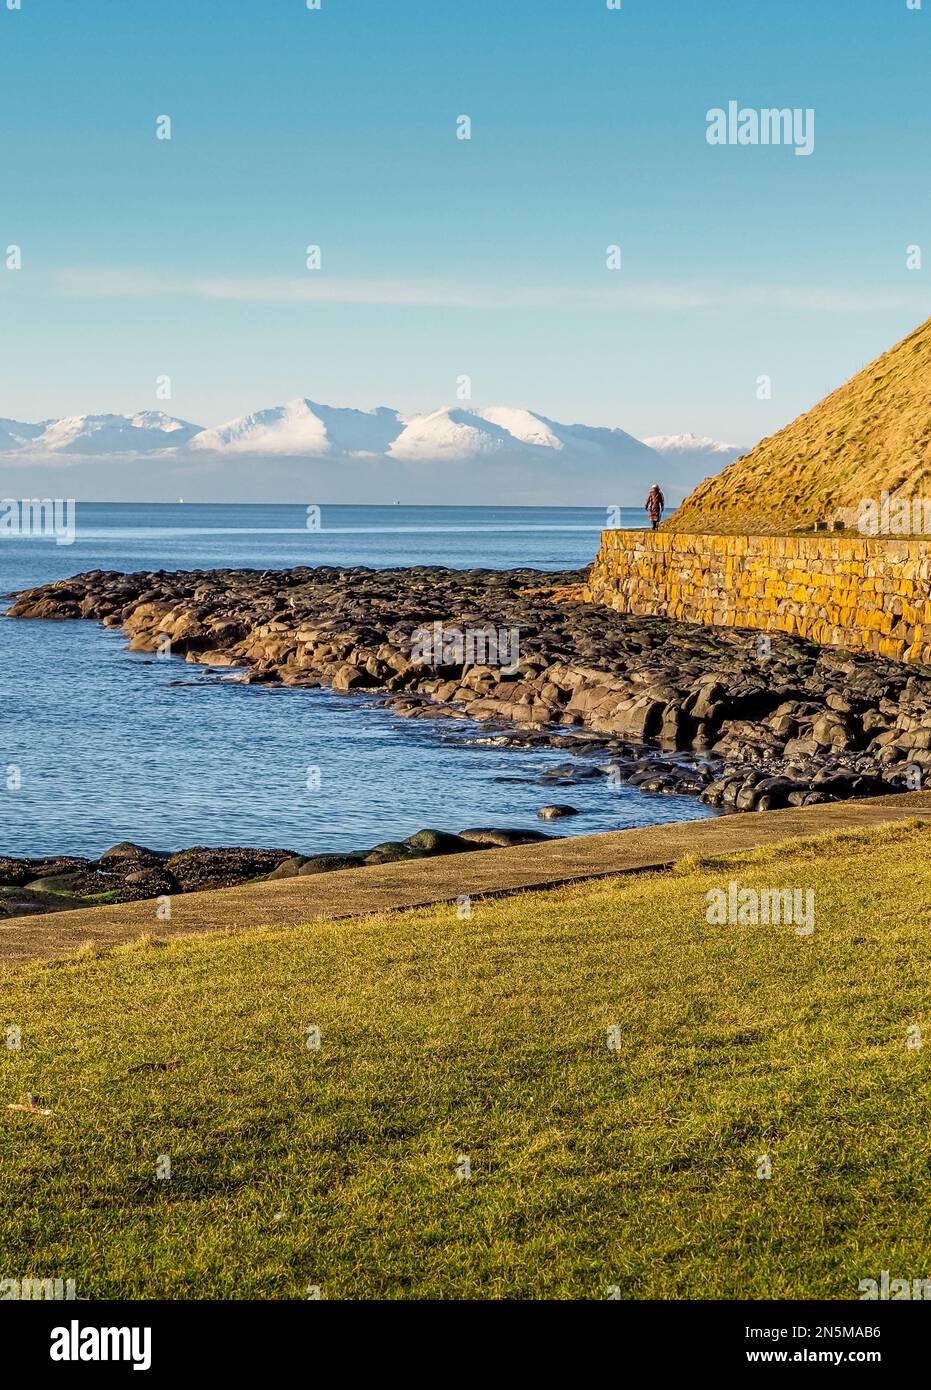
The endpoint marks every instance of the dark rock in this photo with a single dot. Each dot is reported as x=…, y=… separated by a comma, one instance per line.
x=606, y=676
x=746, y=797
x=18, y=872
x=391, y=851
x=126, y=854
x=834, y=781
x=327, y=863
x=834, y=730
x=503, y=838
x=657, y=782
x=772, y=793
x=351, y=678
x=437, y=842
x=567, y=773
x=685, y=784
x=288, y=868
x=556, y=812
x=82, y=883
x=204, y=867
x=150, y=883
x=27, y=902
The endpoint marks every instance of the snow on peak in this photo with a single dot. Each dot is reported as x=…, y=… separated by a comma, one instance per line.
x=689, y=444
x=449, y=433
x=303, y=427
x=14, y=433
x=111, y=434
x=524, y=425
x=281, y=429
x=158, y=420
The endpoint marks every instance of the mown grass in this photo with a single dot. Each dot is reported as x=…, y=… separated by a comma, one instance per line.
x=487, y=1037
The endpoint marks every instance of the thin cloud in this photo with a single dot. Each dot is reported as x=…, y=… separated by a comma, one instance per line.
x=321, y=289
x=317, y=288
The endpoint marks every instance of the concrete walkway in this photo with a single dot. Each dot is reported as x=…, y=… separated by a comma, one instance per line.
x=382, y=888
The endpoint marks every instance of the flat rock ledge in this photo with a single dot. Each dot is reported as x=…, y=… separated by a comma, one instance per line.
x=743, y=722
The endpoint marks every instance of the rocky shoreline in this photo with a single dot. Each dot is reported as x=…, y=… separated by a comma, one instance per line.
x=128, y=872
x=743, y=722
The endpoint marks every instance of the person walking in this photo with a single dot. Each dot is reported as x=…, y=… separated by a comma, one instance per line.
x=655, y=504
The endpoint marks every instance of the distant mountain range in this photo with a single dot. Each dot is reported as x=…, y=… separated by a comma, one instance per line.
x=91, y=435
x=498, y=454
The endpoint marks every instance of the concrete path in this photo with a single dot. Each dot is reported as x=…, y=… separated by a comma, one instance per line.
x=381, y=888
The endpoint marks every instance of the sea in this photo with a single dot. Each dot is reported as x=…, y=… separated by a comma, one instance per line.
x=99, y=744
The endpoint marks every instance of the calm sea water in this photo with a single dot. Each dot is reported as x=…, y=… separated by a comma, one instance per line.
x=108, y=746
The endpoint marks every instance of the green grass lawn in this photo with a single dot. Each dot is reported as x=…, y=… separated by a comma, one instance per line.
x=591, y=1167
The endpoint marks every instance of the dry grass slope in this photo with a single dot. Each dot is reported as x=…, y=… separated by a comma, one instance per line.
x=871, y=435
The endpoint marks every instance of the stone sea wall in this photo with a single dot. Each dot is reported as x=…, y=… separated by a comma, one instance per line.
x=865, y=595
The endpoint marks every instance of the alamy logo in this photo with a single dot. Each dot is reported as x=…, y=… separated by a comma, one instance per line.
x=476, y=646
x=77, y=1343
x=25, y=1290
x=38, y=518
x=894, y=516
x=746, y=125
x=894, y=1290
x=752, y=907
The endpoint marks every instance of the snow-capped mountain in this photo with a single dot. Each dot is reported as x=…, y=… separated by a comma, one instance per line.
x=306, y=450
x=304, y=428
x=14, y=434
x=449, y=434
x=544, y=433
x=694, y=447
x=524, y=425
x=108, y=434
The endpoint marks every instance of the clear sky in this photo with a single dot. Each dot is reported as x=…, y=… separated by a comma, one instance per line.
x=444, y=257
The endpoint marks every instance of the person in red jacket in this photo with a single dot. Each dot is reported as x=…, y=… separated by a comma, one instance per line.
x=655, y=504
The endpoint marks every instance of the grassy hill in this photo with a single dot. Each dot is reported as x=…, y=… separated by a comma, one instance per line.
x=635, y=1168
x=871, y=435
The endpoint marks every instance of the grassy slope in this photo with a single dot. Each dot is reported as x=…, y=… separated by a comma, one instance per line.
x=871, y=435
x=488, y=1037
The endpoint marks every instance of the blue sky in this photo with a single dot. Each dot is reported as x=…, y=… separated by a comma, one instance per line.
x=444, y=257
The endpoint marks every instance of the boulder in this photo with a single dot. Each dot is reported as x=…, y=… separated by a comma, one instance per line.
x=203, y=867
x=772, y=793
x=28, y=902
x=437, y=842
x=349, y=677
x=82, y=883
x=327, y=863
x=126, y=855
x=390, y=852
x=149, y=883
x=503, y=838
x=18, y=872
x=834, y=730
x=288, y=868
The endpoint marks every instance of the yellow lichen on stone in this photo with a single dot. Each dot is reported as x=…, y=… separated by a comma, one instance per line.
x=864, y=595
